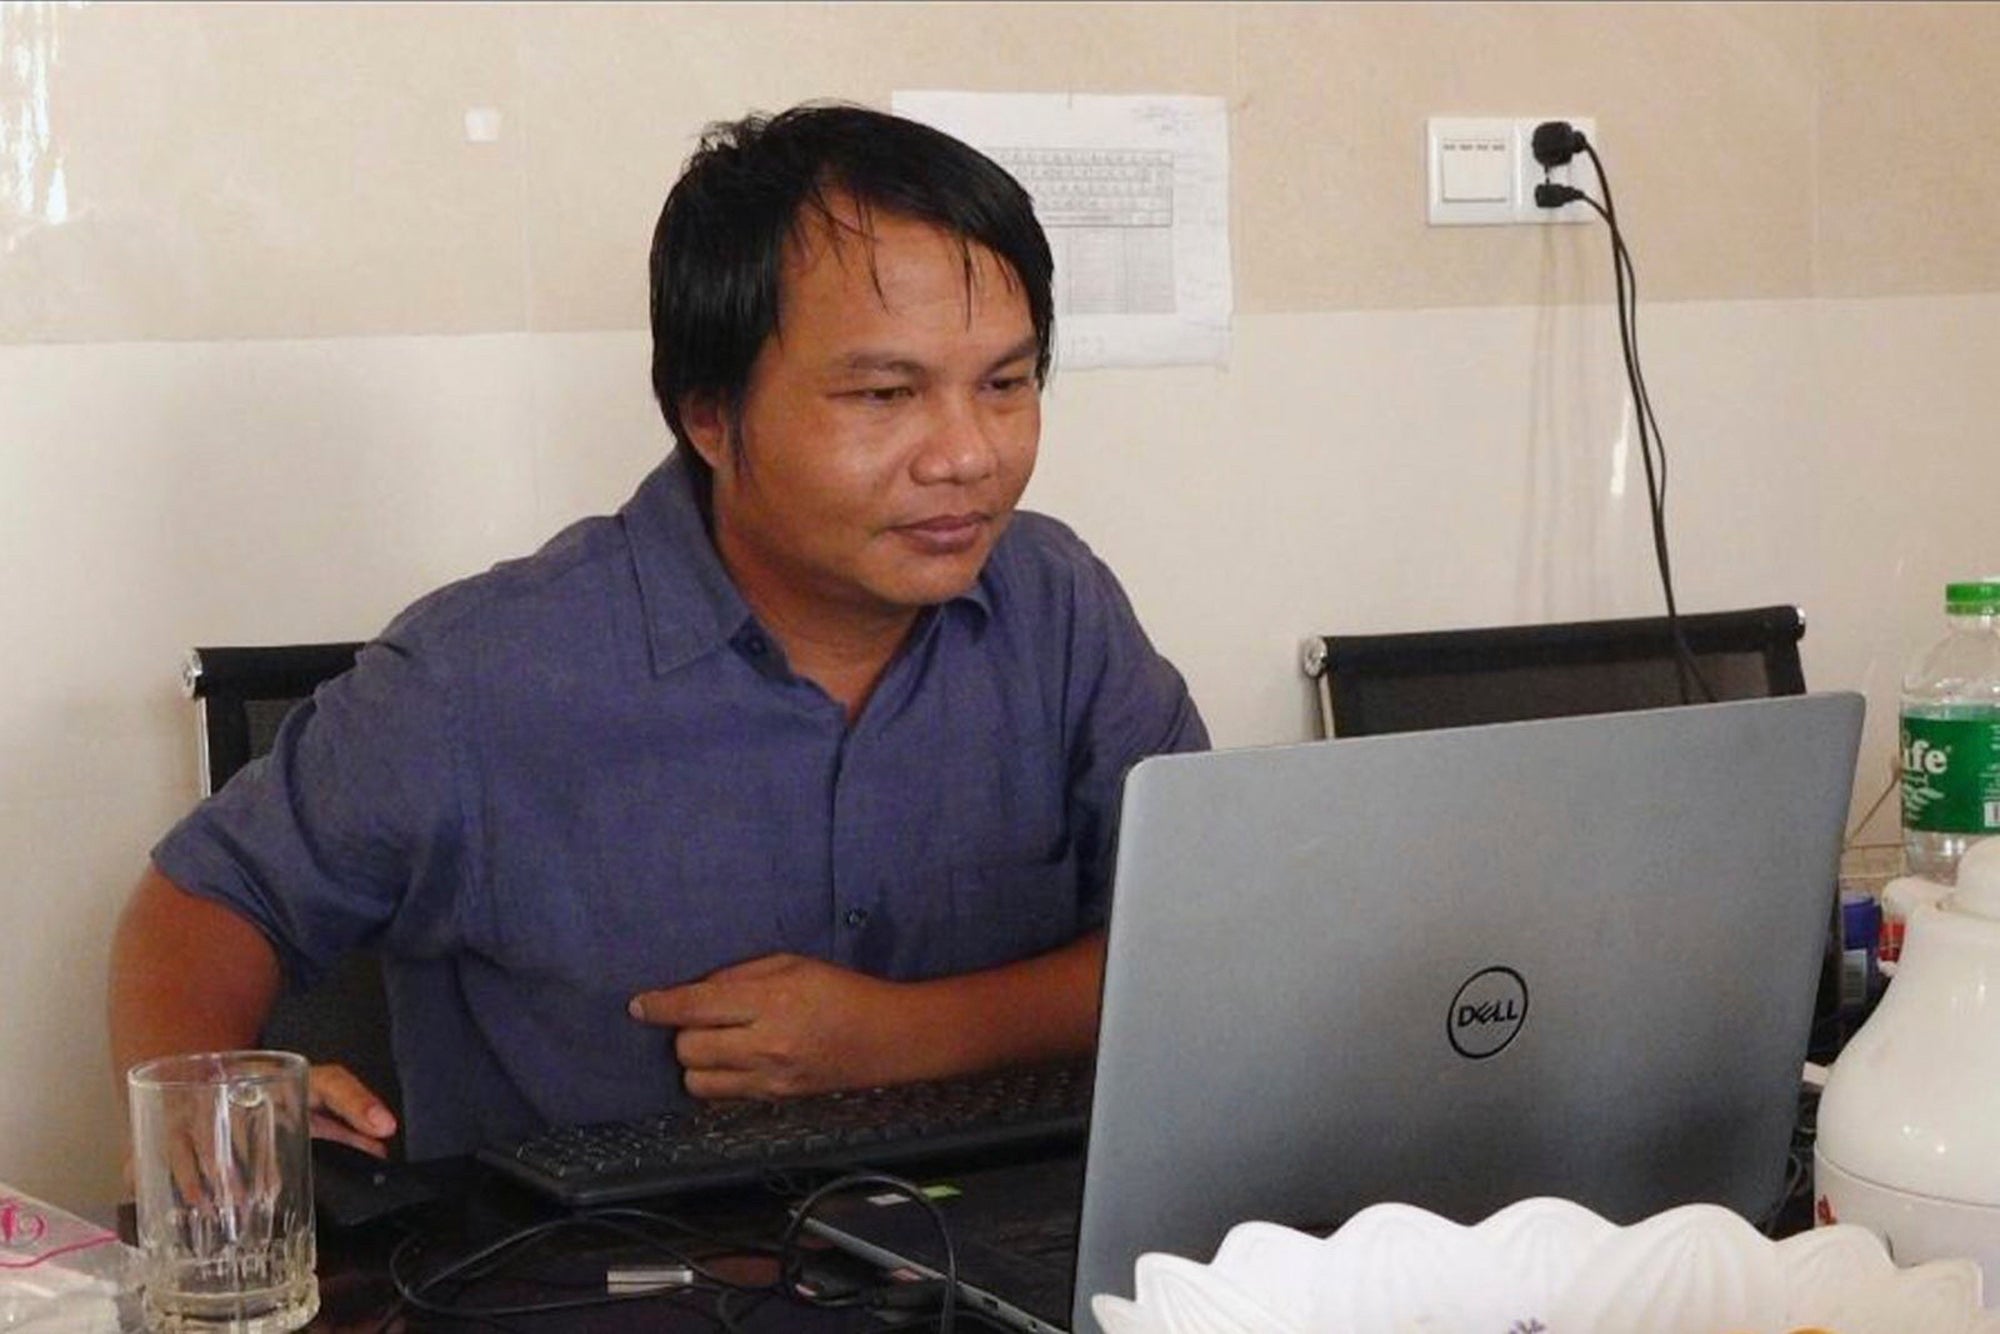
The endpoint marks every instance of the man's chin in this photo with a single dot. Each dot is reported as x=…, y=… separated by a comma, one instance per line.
x=938, y=581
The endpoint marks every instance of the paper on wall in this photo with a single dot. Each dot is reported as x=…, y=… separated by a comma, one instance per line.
x=1133, y=192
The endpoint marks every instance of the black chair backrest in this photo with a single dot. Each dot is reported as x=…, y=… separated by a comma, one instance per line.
x=1457, y=678
x=244, y=695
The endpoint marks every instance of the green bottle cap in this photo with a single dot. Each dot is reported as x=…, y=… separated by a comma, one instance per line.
x=1977, y=598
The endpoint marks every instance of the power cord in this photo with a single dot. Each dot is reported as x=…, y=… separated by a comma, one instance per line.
x=1852, y=841
x=628, y=1225
x=446, y=1291
x=1556, y=143
x=904, y=1296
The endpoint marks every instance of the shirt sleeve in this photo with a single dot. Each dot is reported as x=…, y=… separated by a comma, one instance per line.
x=1125, y=702
x=352, y=819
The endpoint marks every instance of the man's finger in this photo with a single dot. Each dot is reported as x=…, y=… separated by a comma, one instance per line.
x=332, y=1128
x=696, y=1005
x=712, y=1049
x=337, y=1096
x=716, y=1085
x=188, y=1167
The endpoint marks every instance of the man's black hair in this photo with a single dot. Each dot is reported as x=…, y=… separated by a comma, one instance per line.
x=754, y=184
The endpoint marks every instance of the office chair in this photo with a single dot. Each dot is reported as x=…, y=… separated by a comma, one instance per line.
x=1457, y=678
x=242, y=696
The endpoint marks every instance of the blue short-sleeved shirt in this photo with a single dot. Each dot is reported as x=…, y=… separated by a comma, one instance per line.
x=589, y=773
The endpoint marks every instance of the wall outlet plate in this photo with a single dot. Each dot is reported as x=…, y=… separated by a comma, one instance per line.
x=1481, y=171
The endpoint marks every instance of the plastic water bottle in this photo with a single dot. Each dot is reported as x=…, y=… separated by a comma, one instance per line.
x=1951, y=736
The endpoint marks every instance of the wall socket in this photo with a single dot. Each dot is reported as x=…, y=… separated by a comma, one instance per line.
x=1482, y=172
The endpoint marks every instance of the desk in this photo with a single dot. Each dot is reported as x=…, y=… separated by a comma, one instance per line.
x=477, y=1208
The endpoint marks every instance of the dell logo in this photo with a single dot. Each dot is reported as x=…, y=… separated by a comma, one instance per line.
x=1491, y=1012
x=1487, y=1012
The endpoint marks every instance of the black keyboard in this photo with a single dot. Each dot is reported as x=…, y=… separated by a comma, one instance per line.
x=737, y=1143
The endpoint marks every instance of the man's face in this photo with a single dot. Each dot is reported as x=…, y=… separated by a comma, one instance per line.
x=889, y=426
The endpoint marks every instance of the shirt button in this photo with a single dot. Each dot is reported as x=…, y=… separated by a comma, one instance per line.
x=857, y=918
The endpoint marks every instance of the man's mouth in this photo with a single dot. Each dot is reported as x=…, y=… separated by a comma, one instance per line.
x=946, y=534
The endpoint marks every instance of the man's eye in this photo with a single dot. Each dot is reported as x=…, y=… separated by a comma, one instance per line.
x=882, y=394
x=1009, y=384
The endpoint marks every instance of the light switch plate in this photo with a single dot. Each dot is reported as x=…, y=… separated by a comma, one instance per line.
x=1459, y=147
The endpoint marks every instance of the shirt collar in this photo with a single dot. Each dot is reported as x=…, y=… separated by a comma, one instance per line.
x=691, y=605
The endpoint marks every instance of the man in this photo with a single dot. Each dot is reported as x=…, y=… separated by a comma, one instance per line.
x=800, y=772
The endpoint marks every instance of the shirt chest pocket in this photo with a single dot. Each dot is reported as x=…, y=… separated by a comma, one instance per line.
x=1008, y=911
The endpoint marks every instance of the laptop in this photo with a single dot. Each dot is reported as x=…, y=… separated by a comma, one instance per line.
x=1572, y=957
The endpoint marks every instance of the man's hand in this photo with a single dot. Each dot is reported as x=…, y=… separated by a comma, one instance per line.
x=345, y=1109
x=785, y=1025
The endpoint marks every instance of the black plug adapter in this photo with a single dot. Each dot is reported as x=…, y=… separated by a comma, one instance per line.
x=1555, y=142
x=1548, y=194
x=920, y=1294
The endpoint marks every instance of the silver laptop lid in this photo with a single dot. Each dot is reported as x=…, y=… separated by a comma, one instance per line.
x=1575, y=957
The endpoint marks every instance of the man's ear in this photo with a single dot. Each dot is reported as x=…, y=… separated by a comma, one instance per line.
x=706, y=421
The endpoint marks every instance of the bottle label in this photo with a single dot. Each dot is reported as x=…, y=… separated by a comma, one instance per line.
x=1951, y=775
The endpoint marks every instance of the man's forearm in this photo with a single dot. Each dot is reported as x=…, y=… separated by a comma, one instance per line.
x=186, y=975
x=1043, y=1008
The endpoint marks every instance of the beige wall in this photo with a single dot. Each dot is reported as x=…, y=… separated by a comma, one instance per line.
x=280, y=349
x=265, y=171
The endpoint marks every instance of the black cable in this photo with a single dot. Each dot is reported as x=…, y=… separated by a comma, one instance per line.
x=1652, y=447
x=487, y=1260
x=726, y=1314
x=419, y=1294
x=620, y=1220
x=790, y=1260
x=1627, y=300
x=1650, y=438
x=1652, y=444
x=1848, y=844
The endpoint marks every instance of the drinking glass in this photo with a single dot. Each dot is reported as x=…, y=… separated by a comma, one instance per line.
x=222, y=1163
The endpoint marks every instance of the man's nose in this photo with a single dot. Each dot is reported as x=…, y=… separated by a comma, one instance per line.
x=958, y=444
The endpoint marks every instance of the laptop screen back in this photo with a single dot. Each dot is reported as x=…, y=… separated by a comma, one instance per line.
x=1573, y=957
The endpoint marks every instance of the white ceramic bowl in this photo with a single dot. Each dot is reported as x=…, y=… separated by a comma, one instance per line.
x=1547, y=1266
